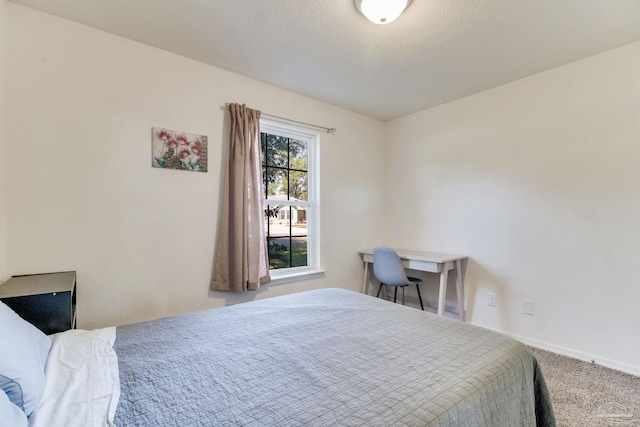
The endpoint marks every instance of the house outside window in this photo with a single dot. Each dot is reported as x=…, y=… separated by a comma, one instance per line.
x=290, y=191
x=284, y=213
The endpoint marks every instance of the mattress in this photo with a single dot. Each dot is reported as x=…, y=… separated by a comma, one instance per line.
x=328, y=357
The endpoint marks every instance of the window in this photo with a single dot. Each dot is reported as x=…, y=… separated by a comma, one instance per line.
x=285, y=213
x=290, y=189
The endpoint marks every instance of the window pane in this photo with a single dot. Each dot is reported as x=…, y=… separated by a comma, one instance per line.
x=287, y=252
x=298, y=164
x=298, y=185
x=277, y=151
x=299, y=252
x=271, y=214
x=276, y=223
x=298, y=155
x=284, y=214
x=279, y=253
x=276, y=183
x=299, y=220
x=286, y=228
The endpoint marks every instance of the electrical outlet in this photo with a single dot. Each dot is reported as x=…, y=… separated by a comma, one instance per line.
x=491, y=300
x=527, y=307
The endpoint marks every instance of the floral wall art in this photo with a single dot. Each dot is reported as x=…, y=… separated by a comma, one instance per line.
x=178, y=150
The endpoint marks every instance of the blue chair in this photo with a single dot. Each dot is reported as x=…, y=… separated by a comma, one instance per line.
x=389, y=271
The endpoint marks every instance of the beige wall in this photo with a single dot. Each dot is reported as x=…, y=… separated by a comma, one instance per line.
x=3, y=257
x=83, y=195
x=537, y=181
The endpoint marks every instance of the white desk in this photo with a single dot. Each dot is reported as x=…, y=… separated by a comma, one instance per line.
x=432, y=263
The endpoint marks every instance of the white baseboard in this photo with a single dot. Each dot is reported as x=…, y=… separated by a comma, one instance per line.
x=433, y=305
x=623, y=367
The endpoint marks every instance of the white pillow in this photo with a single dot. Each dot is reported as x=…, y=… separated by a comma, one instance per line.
x=10, y=414
x=22, y=360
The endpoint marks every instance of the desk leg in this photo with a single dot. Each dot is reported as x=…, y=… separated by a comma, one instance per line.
x=366, y=278
x=444, y=275
x=460, y=289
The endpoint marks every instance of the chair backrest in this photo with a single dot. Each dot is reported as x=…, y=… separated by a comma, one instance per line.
x=388, y=268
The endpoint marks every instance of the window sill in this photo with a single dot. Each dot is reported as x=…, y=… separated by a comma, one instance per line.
x=282, y=278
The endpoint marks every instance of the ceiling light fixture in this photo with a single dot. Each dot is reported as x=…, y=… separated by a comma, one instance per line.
x=381, y=11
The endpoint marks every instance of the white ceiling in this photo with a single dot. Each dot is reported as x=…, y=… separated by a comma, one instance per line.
x=437, y=51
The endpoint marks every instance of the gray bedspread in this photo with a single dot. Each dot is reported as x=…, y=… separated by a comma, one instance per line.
x=329, y=357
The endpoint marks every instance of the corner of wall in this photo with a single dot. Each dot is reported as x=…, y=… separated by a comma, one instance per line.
x=3, y=248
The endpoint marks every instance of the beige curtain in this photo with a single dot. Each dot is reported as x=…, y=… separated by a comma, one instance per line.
x=241, y=262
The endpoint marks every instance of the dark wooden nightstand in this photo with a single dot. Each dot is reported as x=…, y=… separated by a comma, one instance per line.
x=48, y=301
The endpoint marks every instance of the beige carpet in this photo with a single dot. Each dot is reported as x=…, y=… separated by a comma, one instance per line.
x=585, y=394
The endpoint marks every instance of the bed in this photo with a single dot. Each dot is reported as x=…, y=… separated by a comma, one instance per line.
x=328, y=357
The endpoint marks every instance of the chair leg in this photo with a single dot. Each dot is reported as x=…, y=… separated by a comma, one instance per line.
x=379, y=289
x=395, y=293
x=419, y=296
x=403, y=294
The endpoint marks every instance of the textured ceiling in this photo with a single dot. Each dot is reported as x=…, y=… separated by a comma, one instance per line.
x=437, y=51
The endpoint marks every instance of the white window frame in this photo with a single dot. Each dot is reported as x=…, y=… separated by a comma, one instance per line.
x=313, y=269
